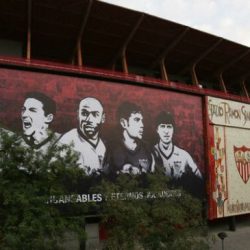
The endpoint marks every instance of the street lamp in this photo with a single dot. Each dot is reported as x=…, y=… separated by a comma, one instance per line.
x=222, y=236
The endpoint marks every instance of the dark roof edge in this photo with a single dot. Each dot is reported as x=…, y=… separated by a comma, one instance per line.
x=114, y=76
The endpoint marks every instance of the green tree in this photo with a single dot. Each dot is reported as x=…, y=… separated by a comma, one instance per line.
x=28, y=179
x=138, y=212
x=142, y=212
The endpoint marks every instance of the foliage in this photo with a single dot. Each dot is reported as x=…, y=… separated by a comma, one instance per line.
x=27, y=180
x=138, y=211
x=142, y=212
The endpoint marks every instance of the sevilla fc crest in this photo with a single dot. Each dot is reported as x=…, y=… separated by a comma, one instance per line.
x=242, y=160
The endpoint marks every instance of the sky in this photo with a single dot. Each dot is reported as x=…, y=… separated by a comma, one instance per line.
x=229, y=19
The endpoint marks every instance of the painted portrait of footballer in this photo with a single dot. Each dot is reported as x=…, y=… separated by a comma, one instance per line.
x=113, y=127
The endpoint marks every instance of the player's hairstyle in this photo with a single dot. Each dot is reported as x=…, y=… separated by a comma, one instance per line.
x=126, y=109
x=49, y=105
x=164, y=117
x=92, y=98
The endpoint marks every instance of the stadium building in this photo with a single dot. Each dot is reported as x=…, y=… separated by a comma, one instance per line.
x=74, y=50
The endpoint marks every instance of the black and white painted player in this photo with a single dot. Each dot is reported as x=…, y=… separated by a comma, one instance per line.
x=129, y=153
x=85, y=139
x=174, y=160
x=37, y=114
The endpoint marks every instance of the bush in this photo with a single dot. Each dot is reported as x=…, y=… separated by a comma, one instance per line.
x=28, y=178
x=142, y=212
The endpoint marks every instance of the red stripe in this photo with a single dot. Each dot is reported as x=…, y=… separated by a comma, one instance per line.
x=248, y=169
x=245, y=172
x=241, y=172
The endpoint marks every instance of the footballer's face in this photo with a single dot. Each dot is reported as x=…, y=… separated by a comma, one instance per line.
x=165, y=132
x=90, y=117
x=134, y=125
x=33, y=117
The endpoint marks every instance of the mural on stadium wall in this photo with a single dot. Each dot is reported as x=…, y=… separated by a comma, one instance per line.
x=229, y=157
x=114, y=128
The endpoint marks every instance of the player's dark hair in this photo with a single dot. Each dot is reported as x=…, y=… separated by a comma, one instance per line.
x=126, y=109
x=164, y=117
x=49, y=105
